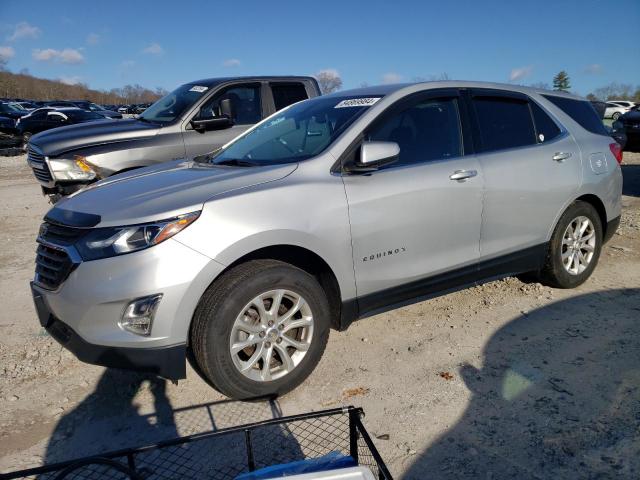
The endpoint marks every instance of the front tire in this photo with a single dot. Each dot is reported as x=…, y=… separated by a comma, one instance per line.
x=616, y=116
x=260, y=329
x=574, y=248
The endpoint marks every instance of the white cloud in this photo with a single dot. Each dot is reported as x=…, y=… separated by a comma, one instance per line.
x=74, y=80
x=391, y=77
x=594, y=68
x=6, y=54
x=154, y=49
x=24, y=30
x=232, y=62
x=67, y=55
x=520, y=73
x=93, y=39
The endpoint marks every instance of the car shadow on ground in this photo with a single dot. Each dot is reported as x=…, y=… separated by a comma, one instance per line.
x=631, y=180
x=557, y=396
x=109, y=419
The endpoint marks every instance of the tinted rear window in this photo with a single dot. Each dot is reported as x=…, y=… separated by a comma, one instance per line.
x=581, y=111
x=504, y=123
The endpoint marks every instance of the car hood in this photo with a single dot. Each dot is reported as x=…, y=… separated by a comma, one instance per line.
x=62, y=139
x=160, y=191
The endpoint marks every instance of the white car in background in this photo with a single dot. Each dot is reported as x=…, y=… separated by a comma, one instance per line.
x=616, y=108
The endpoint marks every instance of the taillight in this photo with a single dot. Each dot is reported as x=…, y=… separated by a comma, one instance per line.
x=616, y=149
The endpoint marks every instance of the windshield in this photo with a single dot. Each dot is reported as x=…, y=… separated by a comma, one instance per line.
x=81, y=115
x=173, y=105
x=10, y=107
x=297, y=133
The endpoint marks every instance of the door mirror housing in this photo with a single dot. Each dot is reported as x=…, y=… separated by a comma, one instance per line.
x=215, y=123
x=374, y=155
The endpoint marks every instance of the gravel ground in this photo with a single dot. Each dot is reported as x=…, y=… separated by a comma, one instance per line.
x=508, y=379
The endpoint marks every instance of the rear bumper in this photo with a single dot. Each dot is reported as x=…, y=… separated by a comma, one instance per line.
x=166, y=361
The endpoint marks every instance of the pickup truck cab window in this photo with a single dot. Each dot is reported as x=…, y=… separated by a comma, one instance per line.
x=245, y=104
x=284, y=94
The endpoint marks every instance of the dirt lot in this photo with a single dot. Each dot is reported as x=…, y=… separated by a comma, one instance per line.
x=508, y=379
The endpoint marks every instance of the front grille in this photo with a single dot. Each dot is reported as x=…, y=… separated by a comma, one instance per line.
x=60, y=234
x=53, y=262
x=53, y=266
x=38, y=165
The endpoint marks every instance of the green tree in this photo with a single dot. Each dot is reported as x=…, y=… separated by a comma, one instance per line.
x=561, y=81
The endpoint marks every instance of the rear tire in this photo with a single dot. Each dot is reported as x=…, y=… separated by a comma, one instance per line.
x=616, y=116
x=229, y=304
x=574, y=248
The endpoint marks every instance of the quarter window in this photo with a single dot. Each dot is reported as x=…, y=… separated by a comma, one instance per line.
x=245, y=104
x=287, y=93
x=580, y=111
x=503, y=123
x=426, y=131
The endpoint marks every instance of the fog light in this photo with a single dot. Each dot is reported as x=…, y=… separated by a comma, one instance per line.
x=138, y=316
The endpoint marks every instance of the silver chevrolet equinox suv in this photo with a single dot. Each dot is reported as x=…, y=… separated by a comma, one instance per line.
x=333, y=209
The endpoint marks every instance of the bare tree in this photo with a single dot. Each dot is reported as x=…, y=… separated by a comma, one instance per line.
x=329, y=81
x=615, y=91
x=541, y=86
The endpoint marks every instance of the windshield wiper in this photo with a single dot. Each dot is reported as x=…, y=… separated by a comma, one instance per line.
x=235, y=162
x=146, y=120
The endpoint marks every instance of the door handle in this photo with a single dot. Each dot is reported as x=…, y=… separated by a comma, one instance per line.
x=462, y=175
x=561, y=156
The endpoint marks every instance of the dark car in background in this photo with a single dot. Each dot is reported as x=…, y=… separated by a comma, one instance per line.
x=629, y=123
x=49, y=117
x=94, y=107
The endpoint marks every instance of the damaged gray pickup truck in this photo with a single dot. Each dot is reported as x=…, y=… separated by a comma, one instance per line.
x=193, y=120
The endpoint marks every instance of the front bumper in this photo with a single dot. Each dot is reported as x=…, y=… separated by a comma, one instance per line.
x=168, y=361
x=83, y=313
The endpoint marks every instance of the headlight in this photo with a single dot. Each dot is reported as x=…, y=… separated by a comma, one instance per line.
x=68, y=169
x=108, y=242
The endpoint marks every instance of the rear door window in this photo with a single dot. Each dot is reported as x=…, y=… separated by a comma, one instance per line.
x=284, y=94
x=503, y=122
x=580, y=111
x=546, y=128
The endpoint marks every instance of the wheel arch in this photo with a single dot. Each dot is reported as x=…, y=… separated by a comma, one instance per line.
x=306, y=260
x=598, y=204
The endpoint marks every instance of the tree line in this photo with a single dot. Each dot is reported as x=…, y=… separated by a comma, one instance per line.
x=24, y=85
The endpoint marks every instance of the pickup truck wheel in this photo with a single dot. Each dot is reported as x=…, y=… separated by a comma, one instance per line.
x=260, y=329
x=575, y=247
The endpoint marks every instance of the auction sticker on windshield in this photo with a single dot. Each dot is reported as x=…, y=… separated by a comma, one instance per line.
x=198, y=88
x=357, y=102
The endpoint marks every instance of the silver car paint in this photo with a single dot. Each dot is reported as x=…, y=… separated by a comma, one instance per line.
x=341, y=218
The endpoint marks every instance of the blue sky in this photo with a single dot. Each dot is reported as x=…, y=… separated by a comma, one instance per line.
x=112, y=43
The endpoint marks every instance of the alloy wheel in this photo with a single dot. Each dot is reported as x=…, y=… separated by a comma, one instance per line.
x=578, y=245
x=271, y=335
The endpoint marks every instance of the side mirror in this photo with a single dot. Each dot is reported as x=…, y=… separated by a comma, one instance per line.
x=374, y=155
x=215, y=123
